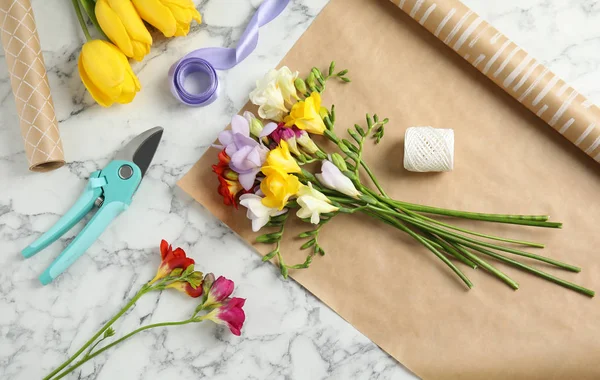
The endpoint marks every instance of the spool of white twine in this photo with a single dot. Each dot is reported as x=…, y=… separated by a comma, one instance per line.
x=428, y=149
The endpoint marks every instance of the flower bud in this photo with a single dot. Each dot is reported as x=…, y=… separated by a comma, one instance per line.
x=310, y=81
x=300, y=85
x=323, y=112
x=256, y=126
x=208, y=281
x=339, y=162
x=304, y=140
x=231, y=175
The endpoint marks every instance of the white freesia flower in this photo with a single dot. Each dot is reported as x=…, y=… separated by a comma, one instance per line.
x=273, y=92
x=258, y=213
x=313, y=203
x=332, y=178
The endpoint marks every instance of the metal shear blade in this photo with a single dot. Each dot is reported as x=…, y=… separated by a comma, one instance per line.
x=110, y=189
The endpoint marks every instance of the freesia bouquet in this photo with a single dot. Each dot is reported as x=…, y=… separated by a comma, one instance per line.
x=103, y=65
x=269, y=168
x=176, y=271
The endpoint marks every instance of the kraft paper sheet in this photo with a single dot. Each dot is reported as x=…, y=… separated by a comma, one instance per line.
x=25, y=62
x=507, y=161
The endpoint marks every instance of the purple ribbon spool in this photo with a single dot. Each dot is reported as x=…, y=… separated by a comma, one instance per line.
x=208, y=60
x=182, y=70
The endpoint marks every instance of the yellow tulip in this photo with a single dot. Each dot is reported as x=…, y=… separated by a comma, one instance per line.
x=281, y=158
x=106, y=73
x=171, y=17
x=278, y=187
x=122, y=24
x=305, y=115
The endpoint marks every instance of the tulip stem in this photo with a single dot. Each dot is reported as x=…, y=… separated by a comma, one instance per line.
x=123, y=338
x=81, y=20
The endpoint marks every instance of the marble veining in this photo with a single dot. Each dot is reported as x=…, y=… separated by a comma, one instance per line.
x=289, y=334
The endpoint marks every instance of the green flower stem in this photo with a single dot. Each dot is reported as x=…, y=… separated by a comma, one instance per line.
x=421, y=240
x=442, y=245
x=537, y=272
x=467, y=241
x=474, y=233
x=139, y=294
x=373, y=178
x=527, y=220
x=488, y=267
x=480, y=262
x=81, y=20
x=125, y=337
x=491, y=237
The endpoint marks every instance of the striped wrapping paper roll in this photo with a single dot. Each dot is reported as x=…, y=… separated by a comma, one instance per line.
x=511, y=68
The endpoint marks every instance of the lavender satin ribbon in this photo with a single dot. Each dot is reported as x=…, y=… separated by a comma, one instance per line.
x=208, y=60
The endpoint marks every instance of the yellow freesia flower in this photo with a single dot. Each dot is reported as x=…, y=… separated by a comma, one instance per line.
x=305, y=115
x=281, y=158
x=106, y=73
x=278, y=186
x=122, y=24
x=171, y=17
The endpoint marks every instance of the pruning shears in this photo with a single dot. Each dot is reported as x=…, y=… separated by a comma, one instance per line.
x=110, y=191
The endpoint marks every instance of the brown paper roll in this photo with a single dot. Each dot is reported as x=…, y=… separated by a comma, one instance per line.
x=25, y=63
x=511, y=68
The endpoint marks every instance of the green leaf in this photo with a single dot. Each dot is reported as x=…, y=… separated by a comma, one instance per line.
x=331, y=68
x=109, y=332
x=342, y=73
x=308, y=244
x=347, y=80
x=89, y=7
x=333, y=113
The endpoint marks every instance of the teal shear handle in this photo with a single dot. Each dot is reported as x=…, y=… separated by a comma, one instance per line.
x=90, y=233
x=81, y=208
x=113, y=188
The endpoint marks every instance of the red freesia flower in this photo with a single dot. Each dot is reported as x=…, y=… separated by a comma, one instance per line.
x=229, y=186
x=171, y=259
x=185, y=287
x=231, y=314
x=229, y=189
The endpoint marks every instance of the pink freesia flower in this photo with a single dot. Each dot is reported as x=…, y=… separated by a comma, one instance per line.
x=219, y=291
x=289, y=135
x=231, y=314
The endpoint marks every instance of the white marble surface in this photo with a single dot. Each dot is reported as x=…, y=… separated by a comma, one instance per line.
x=288, y=334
